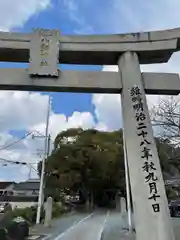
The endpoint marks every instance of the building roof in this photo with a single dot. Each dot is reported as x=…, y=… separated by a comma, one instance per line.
x=4, y=185
x=18, y=198
x=28, y=185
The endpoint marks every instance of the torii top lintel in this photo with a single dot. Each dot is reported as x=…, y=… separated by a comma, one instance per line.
x=151, y=47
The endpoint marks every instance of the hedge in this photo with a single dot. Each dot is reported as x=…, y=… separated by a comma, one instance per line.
x=29, y=213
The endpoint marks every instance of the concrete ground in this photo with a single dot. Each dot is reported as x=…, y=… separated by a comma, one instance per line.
x=100, y=225
x=58, y=226
x=114, y=231
x=78, y=226
x=176, y=225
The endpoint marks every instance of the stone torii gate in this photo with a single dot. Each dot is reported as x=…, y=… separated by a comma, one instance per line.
x=44, y=49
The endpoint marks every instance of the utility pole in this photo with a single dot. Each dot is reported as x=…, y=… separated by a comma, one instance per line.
x=49, y=144
x=46, y=149
x=30, y=170
x=48, y=152
x=30, y=166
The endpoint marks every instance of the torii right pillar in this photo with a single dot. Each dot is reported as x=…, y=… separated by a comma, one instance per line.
x=151, y=213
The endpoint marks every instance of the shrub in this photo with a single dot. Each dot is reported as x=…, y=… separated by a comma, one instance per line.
x=58, y=209
x=28, y=213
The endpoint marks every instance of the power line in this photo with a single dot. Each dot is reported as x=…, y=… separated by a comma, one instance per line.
x=15, y=162
x=19, y=163
x=15, y=142
x=19, y=140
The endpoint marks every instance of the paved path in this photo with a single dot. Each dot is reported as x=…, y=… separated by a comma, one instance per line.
x=116, y=228
x=88, y=228
x=75, y=227
x=100, y=225
x=58, y=226
x=176, y=225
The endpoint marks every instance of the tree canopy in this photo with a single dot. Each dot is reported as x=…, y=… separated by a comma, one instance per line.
x=91, y=163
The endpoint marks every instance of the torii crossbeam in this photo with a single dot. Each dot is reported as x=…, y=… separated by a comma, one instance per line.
x=44, y=49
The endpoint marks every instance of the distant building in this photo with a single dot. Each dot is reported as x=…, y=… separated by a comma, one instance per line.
x=23, y=194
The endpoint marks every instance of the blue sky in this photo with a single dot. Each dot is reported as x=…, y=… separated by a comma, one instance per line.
x=21, y=112
x=60, y=16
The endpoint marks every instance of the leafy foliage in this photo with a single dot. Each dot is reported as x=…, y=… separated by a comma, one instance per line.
x=169, y=155
x=91, y=163
x=29, y=213
x=88, y=162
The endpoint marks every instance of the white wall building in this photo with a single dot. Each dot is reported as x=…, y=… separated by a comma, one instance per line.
x=21, y=195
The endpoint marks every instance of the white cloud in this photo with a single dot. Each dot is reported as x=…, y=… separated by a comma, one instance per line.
x=59, y=122
x=16, y=13
x=108, y=110
x=100, y=126
x=141, y=15
x=21, y=110
x=74, y=10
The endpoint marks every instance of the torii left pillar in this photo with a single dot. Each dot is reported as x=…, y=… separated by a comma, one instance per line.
x=151, y=213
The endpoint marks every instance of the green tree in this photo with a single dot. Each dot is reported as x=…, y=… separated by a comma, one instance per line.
x=89, y=162
x=169, y=155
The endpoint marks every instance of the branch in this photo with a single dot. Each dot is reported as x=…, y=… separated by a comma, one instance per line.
x=166, y=117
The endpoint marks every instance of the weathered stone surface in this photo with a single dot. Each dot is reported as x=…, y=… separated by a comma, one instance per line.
x=152, y=47
x=151, y=213
x=48, y=212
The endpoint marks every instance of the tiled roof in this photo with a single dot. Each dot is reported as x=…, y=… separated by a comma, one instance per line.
x=18, y=199
x=29, y=185
x=4, y=185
